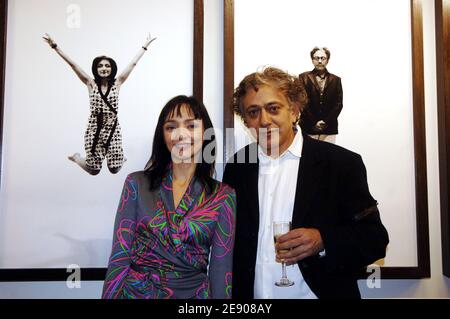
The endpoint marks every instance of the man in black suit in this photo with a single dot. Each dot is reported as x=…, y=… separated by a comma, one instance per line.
x=320, y=187
x=319, y=116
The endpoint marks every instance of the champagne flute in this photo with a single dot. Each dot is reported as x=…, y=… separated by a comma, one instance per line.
x=281, y=228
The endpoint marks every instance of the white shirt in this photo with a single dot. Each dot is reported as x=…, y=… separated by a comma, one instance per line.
x=277, y=183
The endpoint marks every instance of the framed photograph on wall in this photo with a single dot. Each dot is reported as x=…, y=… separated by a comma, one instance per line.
x=442, y=8
x=54, y=217
x=377, y=50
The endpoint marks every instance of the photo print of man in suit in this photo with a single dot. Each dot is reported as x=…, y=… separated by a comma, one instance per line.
x=324, y=89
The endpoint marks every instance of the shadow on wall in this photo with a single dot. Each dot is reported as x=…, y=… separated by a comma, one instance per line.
x=85, y=253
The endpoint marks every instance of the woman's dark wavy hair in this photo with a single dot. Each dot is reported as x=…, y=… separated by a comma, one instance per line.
x=161, y=157
x=111, y=77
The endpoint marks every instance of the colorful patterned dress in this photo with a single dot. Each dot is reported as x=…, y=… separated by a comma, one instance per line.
x=162, y=252
x=103, y=136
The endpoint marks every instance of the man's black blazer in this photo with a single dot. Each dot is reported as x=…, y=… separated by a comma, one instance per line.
x=324, y=105
x=332, y=195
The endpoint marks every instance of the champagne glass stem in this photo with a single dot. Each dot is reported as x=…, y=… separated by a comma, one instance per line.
x=283, y=265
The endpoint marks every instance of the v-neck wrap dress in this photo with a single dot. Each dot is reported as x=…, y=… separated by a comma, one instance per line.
x=103, y=137
x=160, y=251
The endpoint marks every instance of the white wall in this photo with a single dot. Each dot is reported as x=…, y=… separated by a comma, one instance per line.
x=437, y=286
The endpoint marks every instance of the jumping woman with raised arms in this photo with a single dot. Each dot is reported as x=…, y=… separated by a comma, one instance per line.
x=103, y=136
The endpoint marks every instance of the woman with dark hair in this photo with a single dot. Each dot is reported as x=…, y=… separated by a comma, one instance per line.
x=103, y=136
x=174, y=228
